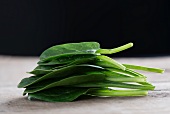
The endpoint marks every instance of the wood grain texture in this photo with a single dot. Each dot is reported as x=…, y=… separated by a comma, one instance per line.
x=12, y=70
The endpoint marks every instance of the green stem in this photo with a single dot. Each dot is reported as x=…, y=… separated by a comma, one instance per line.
x=115, y=73
x=104, y=59
x=117, y=93
x=115, y=50
x=125, y=79
x=135, y=73
x=115, y=84
x=144, y=68
x=127, y=72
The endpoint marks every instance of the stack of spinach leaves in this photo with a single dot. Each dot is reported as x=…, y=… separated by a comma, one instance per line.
x=68, y=71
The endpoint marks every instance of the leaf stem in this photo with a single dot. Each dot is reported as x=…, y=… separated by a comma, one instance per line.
x=125, y=79
x=104, y=61
x=117, y=93
x=116, y=84
x=115, y=50
x=144, y=68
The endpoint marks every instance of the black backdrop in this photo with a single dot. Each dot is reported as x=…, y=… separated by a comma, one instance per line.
x=27, y=27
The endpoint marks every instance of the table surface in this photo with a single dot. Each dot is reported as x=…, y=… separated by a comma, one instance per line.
x=12, y=70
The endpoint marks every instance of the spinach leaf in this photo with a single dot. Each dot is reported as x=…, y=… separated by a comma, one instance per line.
x=65, y=82
x=58, y=74
x=64, y=59
x=67, y=94
x=40, y=72
x=44, y=69
x=70, y=48
x=59, y=94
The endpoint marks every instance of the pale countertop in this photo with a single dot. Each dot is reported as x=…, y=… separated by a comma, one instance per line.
x=12, y=70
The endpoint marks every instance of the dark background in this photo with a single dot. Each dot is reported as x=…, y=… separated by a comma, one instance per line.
x=27, y=27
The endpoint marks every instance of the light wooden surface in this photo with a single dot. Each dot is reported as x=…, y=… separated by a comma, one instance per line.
x=12, y=70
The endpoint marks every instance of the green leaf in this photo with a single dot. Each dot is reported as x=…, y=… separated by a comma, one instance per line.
x=44, y=69
x=88, y=60
x=65, y=82
x=40, y=72
x=70, y=48
x=59, y=94
x=58, y=74
x=65, y=59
